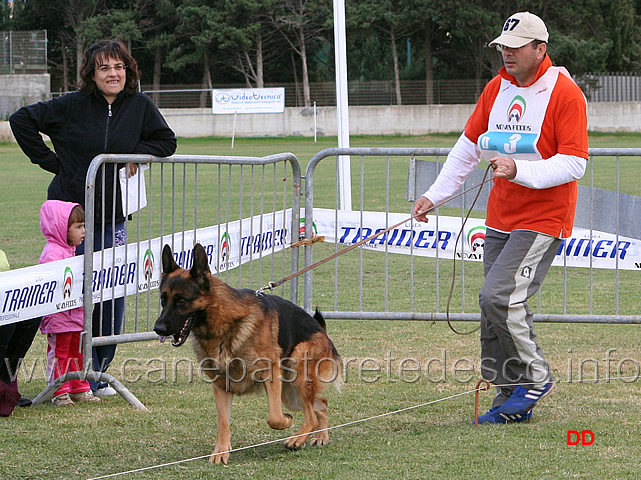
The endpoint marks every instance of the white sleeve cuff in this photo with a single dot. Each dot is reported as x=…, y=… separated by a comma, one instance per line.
x=554, y=171
x=462, y=159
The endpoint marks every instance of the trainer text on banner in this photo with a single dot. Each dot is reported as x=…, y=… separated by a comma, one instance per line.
x=584, y=248
x=57, y=286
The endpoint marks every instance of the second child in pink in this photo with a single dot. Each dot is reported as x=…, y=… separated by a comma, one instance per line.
x=63, y=225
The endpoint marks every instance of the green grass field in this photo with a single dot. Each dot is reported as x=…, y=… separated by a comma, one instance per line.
x=391, y=366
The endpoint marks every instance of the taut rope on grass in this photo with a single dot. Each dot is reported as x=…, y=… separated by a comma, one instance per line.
x=355, y=422
x=281, y=440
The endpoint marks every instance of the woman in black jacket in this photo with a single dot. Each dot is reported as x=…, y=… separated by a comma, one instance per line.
x=107, y=115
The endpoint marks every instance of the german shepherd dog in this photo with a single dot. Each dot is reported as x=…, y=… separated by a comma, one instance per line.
x=248, y=343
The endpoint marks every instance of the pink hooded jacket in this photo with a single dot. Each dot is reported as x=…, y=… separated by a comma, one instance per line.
x=54, y=220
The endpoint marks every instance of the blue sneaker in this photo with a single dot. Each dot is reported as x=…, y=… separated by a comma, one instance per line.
x=496, y=415
x=524, y=399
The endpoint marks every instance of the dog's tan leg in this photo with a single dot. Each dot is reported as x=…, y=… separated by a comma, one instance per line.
x=322, y=413
x=223, y=436
x=306, y=383
x=310, y=423
x=276, y=419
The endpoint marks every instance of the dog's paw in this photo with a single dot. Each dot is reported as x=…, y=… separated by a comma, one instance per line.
x=282, y=423
x=220, y=455
x=294, y=444
x=319, y=439
x=297, y=442
x=289, y=420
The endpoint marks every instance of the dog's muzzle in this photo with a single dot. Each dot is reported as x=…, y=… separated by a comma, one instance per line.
x=180, y=337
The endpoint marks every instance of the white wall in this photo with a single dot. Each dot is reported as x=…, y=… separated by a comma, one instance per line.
x=379, y=120
x=18, y=90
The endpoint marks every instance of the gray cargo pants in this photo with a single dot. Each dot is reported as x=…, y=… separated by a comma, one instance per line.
x=515, y=265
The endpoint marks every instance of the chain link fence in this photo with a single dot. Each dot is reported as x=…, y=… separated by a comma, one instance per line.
x=23, y=52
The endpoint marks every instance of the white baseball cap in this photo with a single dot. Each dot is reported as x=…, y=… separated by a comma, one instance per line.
x=520, y=29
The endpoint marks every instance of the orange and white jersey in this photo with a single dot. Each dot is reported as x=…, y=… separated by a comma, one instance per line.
x=531, y=123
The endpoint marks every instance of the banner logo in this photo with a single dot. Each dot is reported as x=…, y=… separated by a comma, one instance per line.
x=67, y=283
x=248, y=100
x=476, y=238
x=225, y=247
x=148, y=264
x=301, y=231
x=223, y=98
x=516, y=110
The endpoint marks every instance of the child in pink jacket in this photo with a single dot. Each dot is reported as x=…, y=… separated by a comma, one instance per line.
x=63, y=225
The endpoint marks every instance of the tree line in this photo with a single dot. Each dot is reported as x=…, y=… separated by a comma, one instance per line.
x=258, y=42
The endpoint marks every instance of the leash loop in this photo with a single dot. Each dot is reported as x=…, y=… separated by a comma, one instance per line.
x=479, y=388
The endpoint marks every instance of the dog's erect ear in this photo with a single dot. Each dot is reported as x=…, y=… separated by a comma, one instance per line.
x=200, y=268
x=168, y=262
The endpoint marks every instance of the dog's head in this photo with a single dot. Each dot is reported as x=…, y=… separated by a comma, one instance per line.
x=183, y=295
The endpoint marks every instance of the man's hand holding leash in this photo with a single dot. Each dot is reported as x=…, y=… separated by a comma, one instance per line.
x=423, y=204
x=504, y=167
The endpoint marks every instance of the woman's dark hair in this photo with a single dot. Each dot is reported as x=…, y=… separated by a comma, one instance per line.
x=96, y=54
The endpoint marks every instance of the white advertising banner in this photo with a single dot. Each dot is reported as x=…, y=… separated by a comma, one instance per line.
x=248, y=100
x=582, y=249
x=57, y=286
x=44, y=289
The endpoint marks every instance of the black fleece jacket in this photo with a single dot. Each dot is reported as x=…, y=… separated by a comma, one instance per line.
x=81, y=127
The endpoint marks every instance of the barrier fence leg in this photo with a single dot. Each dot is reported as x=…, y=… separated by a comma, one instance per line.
x=48, y=392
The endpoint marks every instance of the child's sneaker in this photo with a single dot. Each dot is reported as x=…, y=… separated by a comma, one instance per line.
x=496, y=415
x=106, y=391
x=524, y=399
x=84, y=397
x=62, y=400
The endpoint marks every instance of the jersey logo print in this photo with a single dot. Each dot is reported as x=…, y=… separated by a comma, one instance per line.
x=516, y=110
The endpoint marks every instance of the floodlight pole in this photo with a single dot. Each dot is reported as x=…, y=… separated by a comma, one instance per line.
x=342, y=108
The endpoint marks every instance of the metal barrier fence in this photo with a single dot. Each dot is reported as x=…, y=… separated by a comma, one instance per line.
x=374, y=283
x=203, y=198
x=244, y=210
x=611, y=86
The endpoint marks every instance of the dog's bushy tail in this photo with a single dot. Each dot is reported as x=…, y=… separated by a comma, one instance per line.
x=319, y=318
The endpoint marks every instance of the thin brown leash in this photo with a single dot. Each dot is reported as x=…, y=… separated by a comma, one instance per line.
x=272, y=285
x=458, y=237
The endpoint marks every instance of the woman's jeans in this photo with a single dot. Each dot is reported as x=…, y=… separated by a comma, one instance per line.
x=107, y=316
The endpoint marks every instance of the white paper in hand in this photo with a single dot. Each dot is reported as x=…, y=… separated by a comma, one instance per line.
x=134, y=193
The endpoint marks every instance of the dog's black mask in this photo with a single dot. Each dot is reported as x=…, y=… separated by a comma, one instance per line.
x=181, y=294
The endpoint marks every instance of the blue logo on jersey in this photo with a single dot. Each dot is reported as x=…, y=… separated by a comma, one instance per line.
x=508, y=143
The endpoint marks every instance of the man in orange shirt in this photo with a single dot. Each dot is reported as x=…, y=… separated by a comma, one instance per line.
x=530, y=123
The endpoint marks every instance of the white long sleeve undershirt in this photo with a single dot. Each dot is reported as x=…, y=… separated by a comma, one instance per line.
x=465, y=156
x=556, y=170
x=462, y=159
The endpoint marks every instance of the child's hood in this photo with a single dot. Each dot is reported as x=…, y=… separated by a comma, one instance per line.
x=54, y=220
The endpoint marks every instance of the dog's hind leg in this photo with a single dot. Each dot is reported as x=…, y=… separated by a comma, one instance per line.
x=223, y=436
x=310, y=421
x=320, y=408
x=310, y=388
